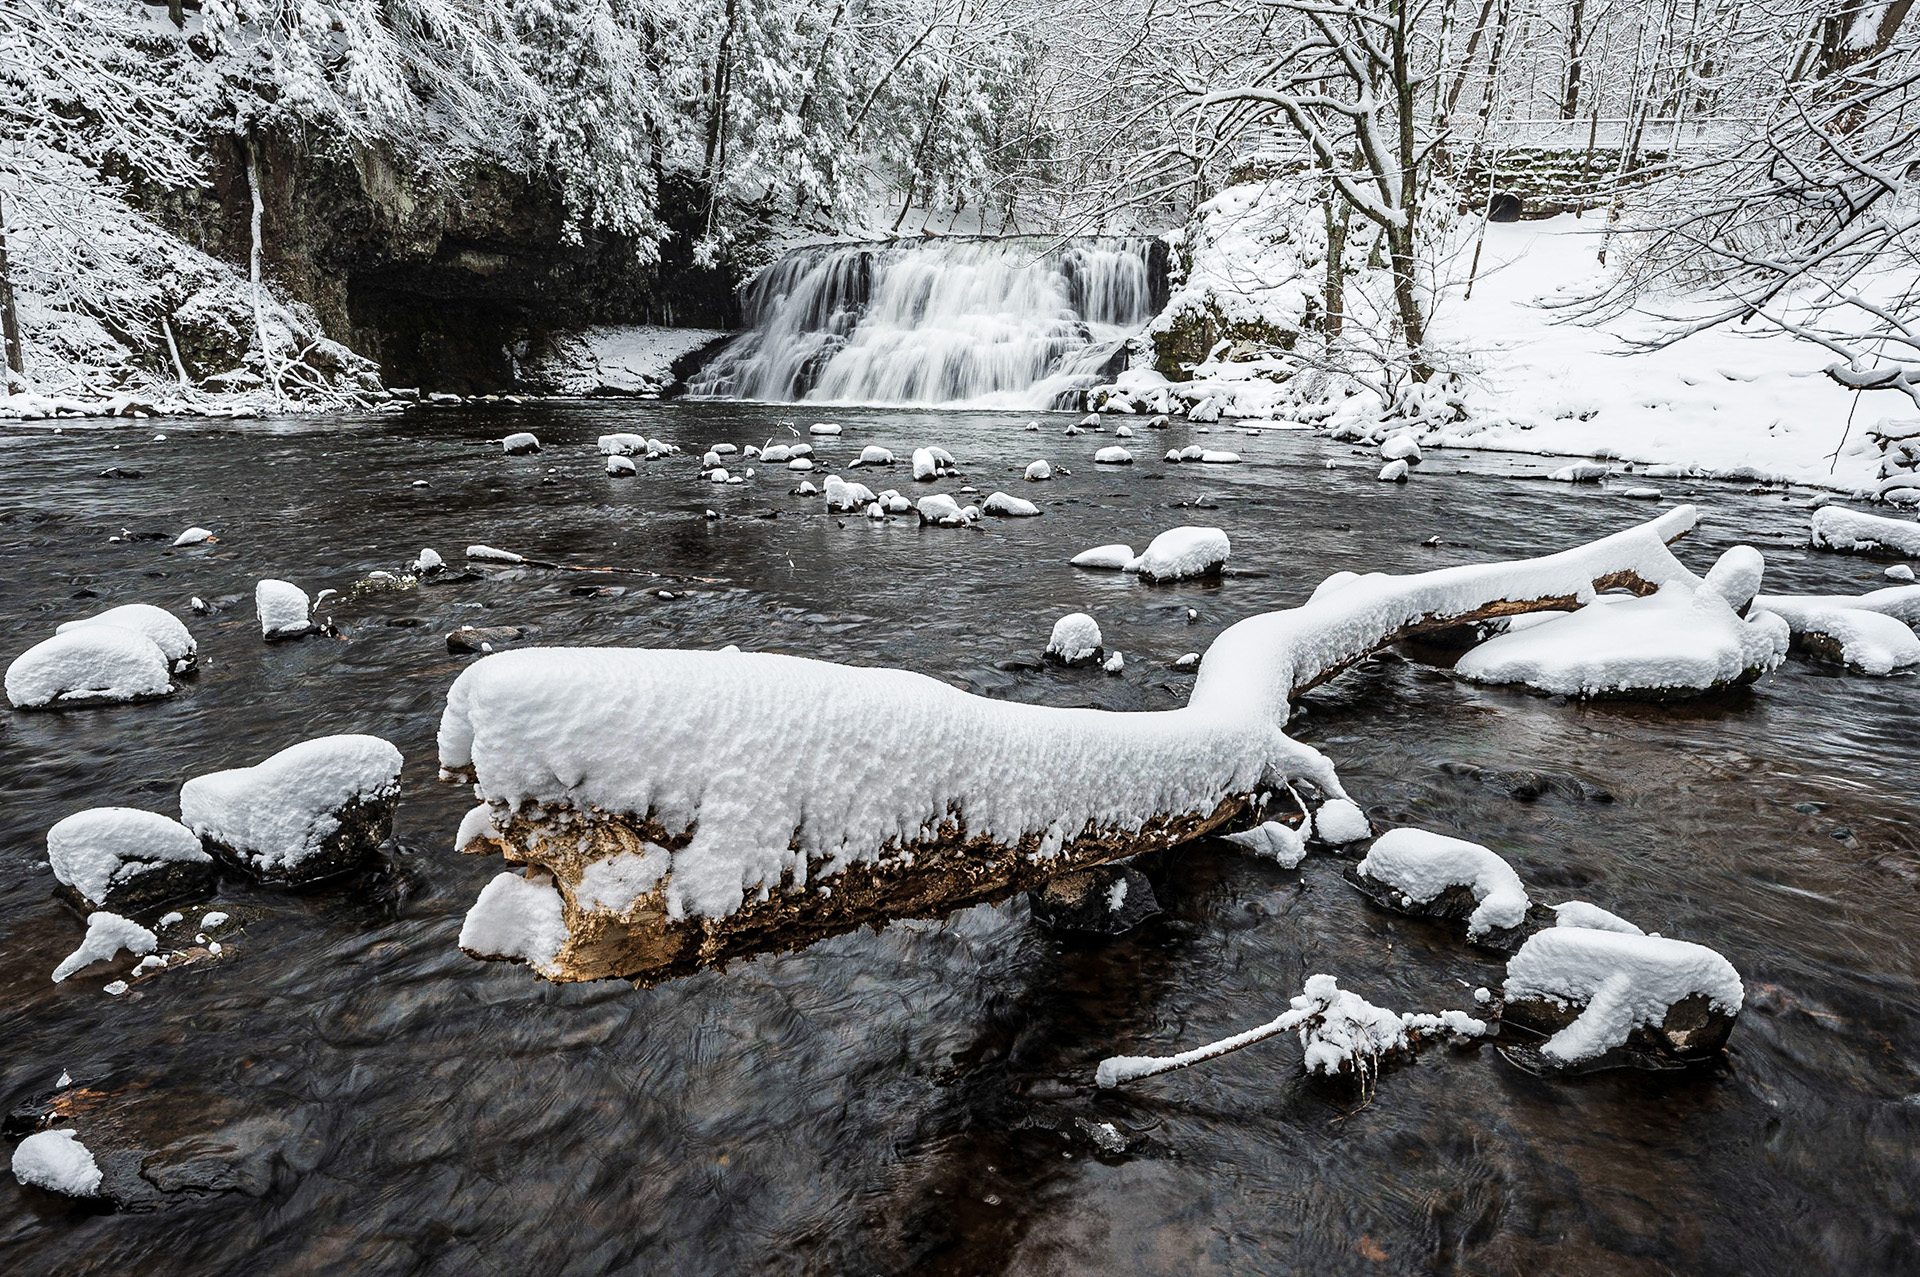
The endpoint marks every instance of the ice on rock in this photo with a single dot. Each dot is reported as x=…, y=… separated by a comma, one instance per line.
x=1114, y=456
x=1274, y=840
x=943, y=510
x=193, y=536
x=158, y=624
x=1111, y=558
x=1180, y=553
x=125, y=858
x=1578, y=913
x=283, y=609
x=873, y=455
x=107, y=934
x=1620, y=983
x=519, y=444
x=1685, y=637
x=1394, y=472
x=1039, y=472
x=1838, y=528
x=1401, y=447
x=1340, y=822
x=517, y=919
x=1010, y=507
x=1419, y=867
x=1075, y=639
x=89, y=665
x=58, y=1162
x=311, y=810
x=620, y=466
x=846, y=497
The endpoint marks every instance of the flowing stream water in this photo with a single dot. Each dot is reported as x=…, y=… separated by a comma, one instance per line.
x=919, y=1099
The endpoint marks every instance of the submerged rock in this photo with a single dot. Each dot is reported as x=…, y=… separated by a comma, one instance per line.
x=484, y=638
x=1107, y=900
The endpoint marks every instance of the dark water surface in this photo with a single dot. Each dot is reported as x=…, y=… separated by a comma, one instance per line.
x=915, y=1099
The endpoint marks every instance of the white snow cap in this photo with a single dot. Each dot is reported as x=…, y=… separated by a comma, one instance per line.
x=1113, y=557
x=92, y=851
x=943, y=510
x=620, y=465
x=925, y=467
x=278, y=812
x=622, y=444
x=1114, y=456
x=1340, y=822
x=487, y=554
x=283, y=608
x=1116, y=663
x=519, y=442
x=1010, y=507
x=166, y=630
x=1871, y=633
x=58, y=1162
x=1626, y=981
x=1838, y=528
x=1394, y=472
x=193, y=536
x=843, y=496
x=429, y=561
x=1076, y=637
x=1421, y=865
x=1578, y=913
x=1182, y=552
x=89, y=663
x=516, y=918
x=107, y=934
x=1402, y=447
x=1039, y=472
x=875, y=455
x=1275, y=841
x=823, y=428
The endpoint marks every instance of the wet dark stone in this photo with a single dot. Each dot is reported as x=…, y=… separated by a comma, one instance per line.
x=1085, y=901
x=365, y=823
x=1528, y=787
x=120, y=472
x=144, y=892
x=479, y=638
x=1693, y=1028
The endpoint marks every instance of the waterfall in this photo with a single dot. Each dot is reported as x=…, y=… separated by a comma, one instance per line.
x=1012, y=323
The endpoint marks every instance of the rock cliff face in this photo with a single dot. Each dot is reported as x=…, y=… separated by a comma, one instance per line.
x=447, y=283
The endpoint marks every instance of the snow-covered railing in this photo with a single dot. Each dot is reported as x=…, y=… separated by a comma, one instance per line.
x=682, y=807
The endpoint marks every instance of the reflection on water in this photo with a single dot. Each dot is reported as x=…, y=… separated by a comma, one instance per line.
x=911, y=1099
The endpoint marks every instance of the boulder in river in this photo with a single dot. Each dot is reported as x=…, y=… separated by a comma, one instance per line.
x=284, y=610
x=313, y=810
x=89, y=665
x=484, y=638
x=126, y=860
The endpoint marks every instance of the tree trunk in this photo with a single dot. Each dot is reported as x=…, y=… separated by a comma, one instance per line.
x=9, y=315
x=1570, y=100
x=1336, y=285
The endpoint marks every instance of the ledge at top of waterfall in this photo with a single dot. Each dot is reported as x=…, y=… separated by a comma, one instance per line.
x=674, y=814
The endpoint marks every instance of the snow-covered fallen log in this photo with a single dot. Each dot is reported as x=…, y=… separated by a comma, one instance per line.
x=672, y=815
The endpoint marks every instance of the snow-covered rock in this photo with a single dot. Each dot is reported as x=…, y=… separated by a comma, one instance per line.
x=1277, y=842
x=58, y=1162
x=823, y=428
x=619, y=466
x=1114, y=456
x=874, y=455
x=312, y=810
x=1580, y=472
x=801, y=464
x=1105, y=558
x=1106, y=900
x=107, y=934
x=284, y=608
x=1010, y=507
x=1039, y=472
x=943, y=510
x=1434, y=876
x=124, y=859
x=845, y=497
x=1115, y=664
x=622, y=445
x=193, y=536
x=1340, y=821
x=925, y=468
x=1852, y=532
x=516, y=919
x=519, y=444
x=1683, y=638
x=1394, y=472
x=1401, y=447
x=1219, y=457
x=1124, y=432
x=1090, y=422
x=1578, y=913
x=1847, y=631
x=1075, y=639
x=1597, y=990
x=428, y=562
x=892, y=502
x=89, y=665
x=1899, y=572
x=1180, y=553
x=488, y=554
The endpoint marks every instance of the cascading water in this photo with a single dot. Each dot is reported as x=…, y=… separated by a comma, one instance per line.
x=985, y=322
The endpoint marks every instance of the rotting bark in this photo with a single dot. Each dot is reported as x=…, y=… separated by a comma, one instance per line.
x=954, y=869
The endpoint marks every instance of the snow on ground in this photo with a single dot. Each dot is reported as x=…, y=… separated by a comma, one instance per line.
x=58, y=1162
x=633, y=359
x=1421, y=866
x=1625, y=981
x=95, y=850
x=279, y=812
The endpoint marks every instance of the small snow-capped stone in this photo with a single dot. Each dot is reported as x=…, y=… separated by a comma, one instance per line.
x=1114, y=456
x=1619, y=984
x=283, y=609
x=720, y=476
x=1090, y=422
x=1075, y=639
x=1180, y=553
x=1642, y=494
x=1115, y=663
x=58, y=1162
x=844, y=497
x=1159, y=422
x=1838, y=528
x=1578, y=913
x=1394, y=472
x=107, y=934
x=125, y=857
x=941, y=509
x=622, y=444
x=88, y=665
x=212, y=920
x=1899, y=572
x=1580, y=472
x=800, y=463
x=874, y=455
x=823, y=428
x=1214, y=457
x=1173, y=455
x=1010, y=507
x=1277, y=842
x=724, y=449
x=428, y=561
x=194, y=536
x=487, y=554
x=312, y=809
x=876, y=511
x=170, y=918
x=114, y=988
x=1112, y=558
x=1422, y=865
x=925, y=467
x=1187, y=661
x=1123, y=432
x=520, y=444
x=620, y=465
x=893, y=503
x=1401, y=447
x=1192, y=452
x=1033, y=425
x=1340, y=822
x=806, y=489
x=1039, y=472
x=777, y=453
x=1072, y=431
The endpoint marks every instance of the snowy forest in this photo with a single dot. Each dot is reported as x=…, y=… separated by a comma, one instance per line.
x=960, y=636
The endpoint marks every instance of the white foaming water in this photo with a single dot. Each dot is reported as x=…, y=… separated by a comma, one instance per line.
x=1009, y=323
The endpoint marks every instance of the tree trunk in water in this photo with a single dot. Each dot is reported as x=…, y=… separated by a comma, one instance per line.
x=9, y=315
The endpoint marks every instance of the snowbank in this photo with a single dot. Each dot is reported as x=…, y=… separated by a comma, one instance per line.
x=609, y=360
x=1623, y=982
x=89, y=665
x=101, y=853
x=302, y=812
x=1420, y=867
x=58, y=1162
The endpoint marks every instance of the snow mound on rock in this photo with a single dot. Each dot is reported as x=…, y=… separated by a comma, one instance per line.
x=1075, y=638
x=1113, y=557
x=1421, y=865
x=107, y=934
x=1180, y=553
x=93, y=851
x=89, y=665
x=58, y=1162
x=165, y=629
x=1838, y=528
x=1578, y=913
x=1625, y=981
x=515, y=918
x=1277, y=842
x=1009, y=507
x=278, y=813
x=283, y=608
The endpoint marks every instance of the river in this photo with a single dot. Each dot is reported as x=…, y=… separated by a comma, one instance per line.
x=917, y=1099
